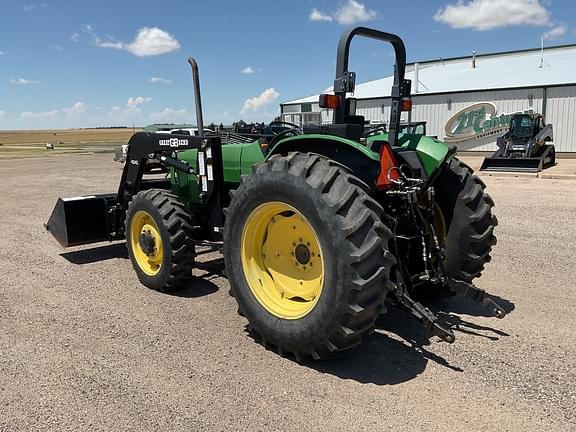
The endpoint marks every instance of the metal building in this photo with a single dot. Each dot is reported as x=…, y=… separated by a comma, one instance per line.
x=467, y=100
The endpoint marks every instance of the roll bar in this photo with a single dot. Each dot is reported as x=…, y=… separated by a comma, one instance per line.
x=345, y=81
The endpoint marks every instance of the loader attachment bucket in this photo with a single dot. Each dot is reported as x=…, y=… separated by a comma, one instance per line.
x=82, y=220
x=521, y=164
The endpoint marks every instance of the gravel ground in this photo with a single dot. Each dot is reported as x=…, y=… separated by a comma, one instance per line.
x=84, y=346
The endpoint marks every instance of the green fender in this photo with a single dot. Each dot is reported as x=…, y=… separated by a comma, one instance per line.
x=320, y=141
x=365, y=163
x=430, y=151
x=358, y=158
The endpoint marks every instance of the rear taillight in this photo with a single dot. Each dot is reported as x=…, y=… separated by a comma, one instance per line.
x=329, y=101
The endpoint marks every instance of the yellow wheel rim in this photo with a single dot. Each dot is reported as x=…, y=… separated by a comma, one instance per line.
x=282, y=260
x=146, y=243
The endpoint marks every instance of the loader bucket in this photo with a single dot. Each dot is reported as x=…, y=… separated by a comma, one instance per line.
x=521, y=164
x=81, y=220
x=530, y=165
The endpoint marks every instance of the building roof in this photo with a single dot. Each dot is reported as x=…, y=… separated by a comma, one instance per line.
x=527, y=68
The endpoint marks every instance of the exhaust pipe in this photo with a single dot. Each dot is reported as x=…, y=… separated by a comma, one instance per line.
x=197, y=96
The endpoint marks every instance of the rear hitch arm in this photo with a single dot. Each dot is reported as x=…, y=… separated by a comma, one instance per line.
x=476, y=294
x=426, y=317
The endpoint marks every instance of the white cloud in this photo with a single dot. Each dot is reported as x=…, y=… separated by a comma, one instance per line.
x=116, y=110
x=77, y=114
x=2, y=113
x=153, y=41
x=247, y=70
x=555, y=33
x=160, y=80
x=56, y=47
x=489, y=14
x=254, y=104
x=77, y=108
x=128, y=112
x=133, y=102
x=33, y=7
x=317, y=15
x=2, y=53
x=23, y=81
x=149, y=41
x=39, y=115
x=75, y=37
x=171, y=115
x=108, y=44
x=353, y=12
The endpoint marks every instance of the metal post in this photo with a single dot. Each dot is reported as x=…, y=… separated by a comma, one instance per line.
x=544, y=101
x=416, y=77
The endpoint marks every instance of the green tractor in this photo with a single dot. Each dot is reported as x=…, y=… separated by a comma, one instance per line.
x=319, y=226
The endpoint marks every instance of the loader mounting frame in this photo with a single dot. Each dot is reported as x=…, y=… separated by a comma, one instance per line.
x=93, y=218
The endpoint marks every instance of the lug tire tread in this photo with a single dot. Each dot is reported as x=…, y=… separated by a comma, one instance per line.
x=177, y=224
x=368, y=258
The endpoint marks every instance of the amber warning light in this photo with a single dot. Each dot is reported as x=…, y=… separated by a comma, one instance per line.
x=406, y=105
x=329, y=101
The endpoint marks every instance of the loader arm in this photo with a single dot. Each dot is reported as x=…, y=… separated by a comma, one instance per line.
x=96, y=218
x=541, y=138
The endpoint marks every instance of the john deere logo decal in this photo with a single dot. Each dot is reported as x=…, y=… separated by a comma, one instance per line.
x=476, y=121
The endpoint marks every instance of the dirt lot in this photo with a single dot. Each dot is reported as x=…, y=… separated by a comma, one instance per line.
x=84, y=346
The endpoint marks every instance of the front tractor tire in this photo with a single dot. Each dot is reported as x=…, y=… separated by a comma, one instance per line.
x=468, y=219
x=307, y=255
x=158, y=239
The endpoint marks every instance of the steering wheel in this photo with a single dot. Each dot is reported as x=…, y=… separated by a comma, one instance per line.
x=283, y=123
x=375, y=131
x=284, y=134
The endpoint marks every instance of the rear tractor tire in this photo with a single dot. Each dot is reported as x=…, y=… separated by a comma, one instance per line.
x=158, y=239
x=307, y=255
x=469, y=223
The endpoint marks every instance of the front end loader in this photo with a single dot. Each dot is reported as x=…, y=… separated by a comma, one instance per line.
x=320, y=226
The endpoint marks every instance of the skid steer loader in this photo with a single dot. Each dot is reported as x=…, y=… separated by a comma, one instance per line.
x=526, y=147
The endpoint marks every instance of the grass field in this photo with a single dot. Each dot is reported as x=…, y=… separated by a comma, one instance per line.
x=31, y=143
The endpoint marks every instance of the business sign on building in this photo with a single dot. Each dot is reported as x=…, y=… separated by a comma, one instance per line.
x=479, y=121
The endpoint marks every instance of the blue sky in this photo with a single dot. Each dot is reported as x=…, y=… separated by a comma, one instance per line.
x=67, y=63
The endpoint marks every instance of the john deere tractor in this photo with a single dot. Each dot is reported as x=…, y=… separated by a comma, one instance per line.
x=319, y=226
